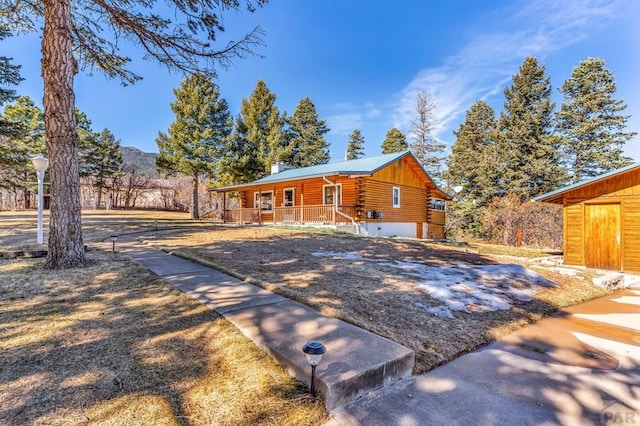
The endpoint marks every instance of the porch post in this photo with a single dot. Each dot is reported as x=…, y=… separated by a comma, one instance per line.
x=224, y=207
x=260, y=207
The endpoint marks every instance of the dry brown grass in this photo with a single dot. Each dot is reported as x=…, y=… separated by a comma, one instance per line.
x=376, y=298
x=18, y=228
x=112, y=344
x=526, y=252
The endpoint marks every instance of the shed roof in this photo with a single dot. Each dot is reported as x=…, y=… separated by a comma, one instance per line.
x=556, y=196
x=361, y=166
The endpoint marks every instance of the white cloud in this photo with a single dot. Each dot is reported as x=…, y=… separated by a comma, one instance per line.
x=485, y=65
x=349, y=117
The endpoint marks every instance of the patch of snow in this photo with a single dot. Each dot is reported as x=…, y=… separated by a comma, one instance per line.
x=438, y=311
x=565, y=271
x=353, y=255
x=463, y=287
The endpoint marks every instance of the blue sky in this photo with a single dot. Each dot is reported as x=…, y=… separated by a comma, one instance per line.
x=362, y=63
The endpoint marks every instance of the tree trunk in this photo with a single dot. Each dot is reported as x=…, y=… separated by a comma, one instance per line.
x=100, y=184
x=26, y=194
x=66, y=247
x=194, y=204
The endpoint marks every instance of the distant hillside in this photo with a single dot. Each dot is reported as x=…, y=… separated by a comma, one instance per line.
x=144, y=163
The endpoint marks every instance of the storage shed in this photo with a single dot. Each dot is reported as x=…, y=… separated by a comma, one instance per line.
x=602, y=220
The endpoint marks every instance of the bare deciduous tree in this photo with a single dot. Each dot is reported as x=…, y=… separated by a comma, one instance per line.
x=424, y=146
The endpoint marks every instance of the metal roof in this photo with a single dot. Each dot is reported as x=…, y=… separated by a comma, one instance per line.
x=550, y=196
x=361, y=166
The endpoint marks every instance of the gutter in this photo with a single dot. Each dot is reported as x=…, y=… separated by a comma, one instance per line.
x=335, y=197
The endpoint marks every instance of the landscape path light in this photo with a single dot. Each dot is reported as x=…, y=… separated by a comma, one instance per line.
x=41, y=164
x=313, y=350
x=113, y=241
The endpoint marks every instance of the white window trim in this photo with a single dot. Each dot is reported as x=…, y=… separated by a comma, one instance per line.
x=432, y=204
x=393, y=197
x=324, y=197
x=293, y=199
x=257, y=202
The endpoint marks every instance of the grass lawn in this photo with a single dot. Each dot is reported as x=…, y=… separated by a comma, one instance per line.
x=362, y=281
x=112, y=343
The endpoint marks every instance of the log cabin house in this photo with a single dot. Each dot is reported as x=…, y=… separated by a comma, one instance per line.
x=601, y=220
x=387, y=195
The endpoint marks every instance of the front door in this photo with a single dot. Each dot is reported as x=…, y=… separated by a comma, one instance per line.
x=602, y=236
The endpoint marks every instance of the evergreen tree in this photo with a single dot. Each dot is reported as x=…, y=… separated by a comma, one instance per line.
x=355, y=148
x=394, y=141
x=9, y=75
x=527, y=149
x=424, y=146
x=590, y=121
x=471, y=165
x=259, y=139
x=86, y=136
x=307, y=136
x=78, y=34
x=196, y=139
x=101, y=160
x=25, y=140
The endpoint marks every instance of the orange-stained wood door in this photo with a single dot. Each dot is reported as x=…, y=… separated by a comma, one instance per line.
x=602, y=236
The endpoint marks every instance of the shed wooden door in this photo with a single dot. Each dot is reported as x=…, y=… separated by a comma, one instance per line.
x=602, y=236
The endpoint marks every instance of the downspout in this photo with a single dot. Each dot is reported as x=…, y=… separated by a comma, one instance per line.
x=335, y=207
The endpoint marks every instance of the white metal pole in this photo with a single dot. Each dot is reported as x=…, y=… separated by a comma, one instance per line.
x=40, y=204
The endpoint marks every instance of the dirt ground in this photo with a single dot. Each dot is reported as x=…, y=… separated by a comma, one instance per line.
x=367, y=288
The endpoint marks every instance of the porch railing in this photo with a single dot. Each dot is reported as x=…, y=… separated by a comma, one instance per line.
x=295, y=215
x=242, y=216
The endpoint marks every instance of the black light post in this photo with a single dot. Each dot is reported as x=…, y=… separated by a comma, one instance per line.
x=313, y=350
x=113, y=241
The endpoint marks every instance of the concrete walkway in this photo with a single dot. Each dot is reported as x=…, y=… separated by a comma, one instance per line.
x=579, y=367
x=356, y=361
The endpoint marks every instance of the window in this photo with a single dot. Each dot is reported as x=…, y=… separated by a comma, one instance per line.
x=265, y=203
x=329, y=191
x=396, y=196
x=437, y=204
x=288, y=197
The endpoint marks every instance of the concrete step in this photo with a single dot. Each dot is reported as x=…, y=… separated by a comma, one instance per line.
x=356, y=361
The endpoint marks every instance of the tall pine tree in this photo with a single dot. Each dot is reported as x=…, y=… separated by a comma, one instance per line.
x=307, y=135
x=394, y=141
x=196, y=139
x=25, y=140
x=424, y=146
x=259, y=139
x=471, y=165
x=101, y=160
x=355, y=148
x=75, y=35
x=9, y=75
x=527, y=149
x=591, y=122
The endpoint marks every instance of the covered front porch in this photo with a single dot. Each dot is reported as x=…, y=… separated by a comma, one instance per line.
x=313, y=215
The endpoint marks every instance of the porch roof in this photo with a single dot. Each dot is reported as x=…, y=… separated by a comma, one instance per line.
x=361, y=166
